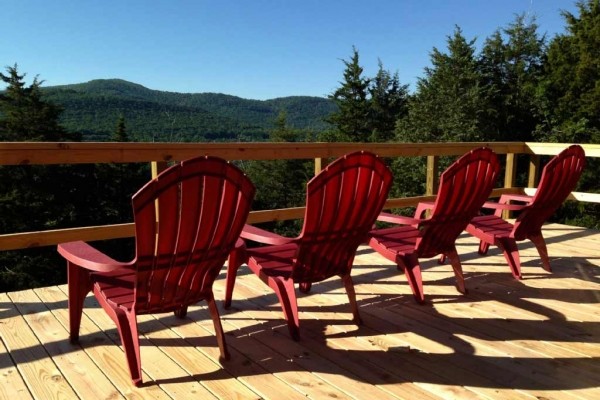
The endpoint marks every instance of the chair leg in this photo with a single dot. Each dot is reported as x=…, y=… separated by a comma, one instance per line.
x=511, y=254
x=458, y=272
x=128, y=331
x=304, y=287
x=181, y=313
x=236, y=258
x=79, y=286
x=349, y=285
x=483, y=247
x=214, y=313
x=412, y=270
x=540, y=245
x=284, y=289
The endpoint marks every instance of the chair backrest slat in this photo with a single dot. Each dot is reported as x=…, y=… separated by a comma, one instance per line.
x=202, y=206
x=464, y=187
x=342, y=204
x=559, y=178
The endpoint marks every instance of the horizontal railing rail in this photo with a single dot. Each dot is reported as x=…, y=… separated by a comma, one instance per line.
x=159, y=154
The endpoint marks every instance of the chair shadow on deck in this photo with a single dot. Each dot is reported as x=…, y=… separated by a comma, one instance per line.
x=375, y=357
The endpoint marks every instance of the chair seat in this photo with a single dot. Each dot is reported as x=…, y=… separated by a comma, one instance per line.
x=116, y=287
x=273, y=260
x=490, y=227
x=392, y=242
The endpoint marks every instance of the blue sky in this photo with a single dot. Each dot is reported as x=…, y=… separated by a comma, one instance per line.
x=257, y=49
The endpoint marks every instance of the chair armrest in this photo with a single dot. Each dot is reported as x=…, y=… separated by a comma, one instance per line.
x=262, y=236
x=422, y=207
x=506, y=198
x=84, y=255
x=399, y=219
x=499, y=206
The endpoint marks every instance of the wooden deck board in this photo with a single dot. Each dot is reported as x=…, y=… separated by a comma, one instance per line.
x=535, y=338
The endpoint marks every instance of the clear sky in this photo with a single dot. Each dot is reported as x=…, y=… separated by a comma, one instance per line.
x=256, y=49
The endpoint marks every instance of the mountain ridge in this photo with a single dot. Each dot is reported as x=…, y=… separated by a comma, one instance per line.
x=94, y=107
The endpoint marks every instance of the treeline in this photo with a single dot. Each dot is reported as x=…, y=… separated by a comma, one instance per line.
x=519, y=86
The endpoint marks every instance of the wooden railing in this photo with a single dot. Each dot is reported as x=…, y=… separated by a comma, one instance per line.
x=159, y=154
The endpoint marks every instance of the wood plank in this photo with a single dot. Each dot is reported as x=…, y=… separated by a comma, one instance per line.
x=86, y=379
x=539, y=337
x=254, y=372
x=12, y=385
x=202, y=367
x=443, y=390
x=409, y=336
x=39, y=372
x=94, y=341
x=279, y=341
x=40, y=153
x=161, y=371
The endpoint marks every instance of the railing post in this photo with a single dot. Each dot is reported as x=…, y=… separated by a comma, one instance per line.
x=433, y=180
x=534, y=168
x=157, y=167
x=509, y=177
x=318, y=165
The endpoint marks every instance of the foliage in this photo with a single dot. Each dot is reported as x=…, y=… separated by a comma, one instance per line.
x=510, y=65
x=281, y=183
x=388, y=102
x=32, y=197
x=518, y=87
x=352, y=117
x=570, y=95
x=446, y=105
x=367, y=108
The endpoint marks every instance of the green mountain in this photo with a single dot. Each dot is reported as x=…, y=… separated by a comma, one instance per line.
x=93, y=109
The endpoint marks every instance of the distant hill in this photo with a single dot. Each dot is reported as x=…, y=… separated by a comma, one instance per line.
x=93, y=109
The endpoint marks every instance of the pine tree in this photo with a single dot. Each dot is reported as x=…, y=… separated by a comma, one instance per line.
x=571, y=88
x=388, y=103
x=25, y=116
x=511, y=72
x=352, y=118
x=120, y=133
x=570, y=93
x=32, y=197
x=280, y=183
x=447, y=102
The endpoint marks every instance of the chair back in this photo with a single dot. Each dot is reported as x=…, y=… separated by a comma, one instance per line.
x=342, y=204
x=559, y=178
x=187, y=221
x=464, y=187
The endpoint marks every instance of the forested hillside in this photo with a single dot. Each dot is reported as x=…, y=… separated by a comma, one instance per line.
x=518, y=86
x=93, y=109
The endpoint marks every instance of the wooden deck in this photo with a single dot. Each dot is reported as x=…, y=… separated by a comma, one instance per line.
x=537, y=338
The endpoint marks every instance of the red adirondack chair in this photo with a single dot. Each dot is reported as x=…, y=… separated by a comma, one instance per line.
x=202, y=206
x=464, y=187
x=342, y=203
x=559, y=178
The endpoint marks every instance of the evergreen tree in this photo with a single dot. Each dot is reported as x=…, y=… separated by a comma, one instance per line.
x=388, y=103
x=32, y=197
x=570, y=95
x=571, y=86
x=120, y=133
x=280, y=183
x=510, y=73
x=351, y=120
x=24, y=115
x=447, y=102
